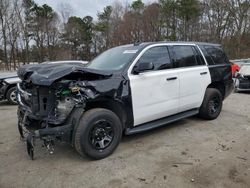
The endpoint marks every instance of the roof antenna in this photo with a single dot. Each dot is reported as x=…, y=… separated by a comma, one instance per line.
x=137, y=43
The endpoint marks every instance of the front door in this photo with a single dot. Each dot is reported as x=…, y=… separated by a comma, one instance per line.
x=155, y=93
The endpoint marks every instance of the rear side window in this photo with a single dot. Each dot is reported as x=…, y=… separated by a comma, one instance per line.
x=185, y=56
x=159, y=56
x=217, y=55
x=209, y=59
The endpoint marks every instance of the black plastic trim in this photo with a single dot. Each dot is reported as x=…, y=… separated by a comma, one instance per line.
x=161, y=122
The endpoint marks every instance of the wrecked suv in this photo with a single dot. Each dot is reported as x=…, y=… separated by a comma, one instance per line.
x=127, y=89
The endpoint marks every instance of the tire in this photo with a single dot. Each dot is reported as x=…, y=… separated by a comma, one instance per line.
x=211, y=105
x=11, y=95
x=98, y=133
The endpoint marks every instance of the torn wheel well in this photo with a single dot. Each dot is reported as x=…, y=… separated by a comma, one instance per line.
x=113, y=106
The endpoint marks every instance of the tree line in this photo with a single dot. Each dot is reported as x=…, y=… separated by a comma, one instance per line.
x=35, y=33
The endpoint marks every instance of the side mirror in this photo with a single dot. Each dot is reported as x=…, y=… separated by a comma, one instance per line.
x=141, y=67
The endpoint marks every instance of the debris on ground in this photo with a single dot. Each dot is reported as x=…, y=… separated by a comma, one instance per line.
x=141, y=179
x=242, y=158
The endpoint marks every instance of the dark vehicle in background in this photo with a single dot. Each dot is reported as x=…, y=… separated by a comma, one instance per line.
x=8, y=81
x=127, y=89
x=242, y=82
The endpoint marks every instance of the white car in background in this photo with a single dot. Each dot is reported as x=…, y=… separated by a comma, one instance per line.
x=242, y=82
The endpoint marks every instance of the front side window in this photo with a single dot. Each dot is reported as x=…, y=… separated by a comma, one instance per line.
x=159, y=56
x=184, y=56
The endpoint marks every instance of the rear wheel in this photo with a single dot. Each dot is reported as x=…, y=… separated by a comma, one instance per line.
x=11, y=95
x=212, y=104
x=98, y=133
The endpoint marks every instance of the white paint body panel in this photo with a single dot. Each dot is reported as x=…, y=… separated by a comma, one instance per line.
x=153, y=97
x=193, y=87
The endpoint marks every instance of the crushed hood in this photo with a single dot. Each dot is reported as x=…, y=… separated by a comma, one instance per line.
x=46, y=74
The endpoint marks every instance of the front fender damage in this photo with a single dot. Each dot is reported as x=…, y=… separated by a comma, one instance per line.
x=49, y=108
x=52, y=99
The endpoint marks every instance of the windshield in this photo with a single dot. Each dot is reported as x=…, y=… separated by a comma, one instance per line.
x=114, y=58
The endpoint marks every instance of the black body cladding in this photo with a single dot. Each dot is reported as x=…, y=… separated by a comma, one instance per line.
x=219, y=67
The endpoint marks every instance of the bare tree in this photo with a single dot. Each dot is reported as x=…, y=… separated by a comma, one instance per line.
x=4, y=19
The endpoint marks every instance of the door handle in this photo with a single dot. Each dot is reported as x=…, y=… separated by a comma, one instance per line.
x=172, y=78
x=203, y=73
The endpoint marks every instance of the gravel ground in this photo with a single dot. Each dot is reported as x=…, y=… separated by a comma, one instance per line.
x=188, y=153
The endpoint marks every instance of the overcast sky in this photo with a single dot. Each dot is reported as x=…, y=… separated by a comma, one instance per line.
x=83, y=8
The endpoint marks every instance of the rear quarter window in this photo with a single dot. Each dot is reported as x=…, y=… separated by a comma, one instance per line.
x=214, y=55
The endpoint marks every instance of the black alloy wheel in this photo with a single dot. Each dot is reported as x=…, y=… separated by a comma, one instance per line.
x=97, y=133
x=214, y=105
x=101, y=134
x=211, y=105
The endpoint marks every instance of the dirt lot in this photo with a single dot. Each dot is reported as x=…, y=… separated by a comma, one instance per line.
x=189, y=153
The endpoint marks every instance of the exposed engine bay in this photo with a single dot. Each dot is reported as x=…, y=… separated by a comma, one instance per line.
x=46, y=106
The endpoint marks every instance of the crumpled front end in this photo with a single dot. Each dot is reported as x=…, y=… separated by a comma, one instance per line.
x=51, y=99
x=45, y=111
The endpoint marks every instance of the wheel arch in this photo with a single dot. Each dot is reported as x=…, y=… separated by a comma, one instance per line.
x=218, y=85
x=112, y=105
x=8, y=88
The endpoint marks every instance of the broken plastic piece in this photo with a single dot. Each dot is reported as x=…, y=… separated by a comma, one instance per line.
x=30, y=146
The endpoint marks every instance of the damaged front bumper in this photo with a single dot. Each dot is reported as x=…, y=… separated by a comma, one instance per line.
x=48, y=128
x=47, y=134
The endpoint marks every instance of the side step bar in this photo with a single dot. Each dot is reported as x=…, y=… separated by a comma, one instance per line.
x=160, y=122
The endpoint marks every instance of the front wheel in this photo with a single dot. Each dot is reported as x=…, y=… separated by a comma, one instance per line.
x=98, y=133
x=211, y=105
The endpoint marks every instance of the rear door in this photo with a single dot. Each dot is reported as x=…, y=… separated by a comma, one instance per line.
x=194, y=75
x=155, y=93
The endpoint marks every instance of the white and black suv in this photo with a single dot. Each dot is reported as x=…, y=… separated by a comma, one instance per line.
x=127, y=89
